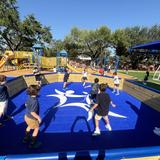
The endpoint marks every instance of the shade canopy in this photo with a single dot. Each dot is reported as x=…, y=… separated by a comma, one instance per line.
x=155, y=45
x=38, y=46
x=62, y=53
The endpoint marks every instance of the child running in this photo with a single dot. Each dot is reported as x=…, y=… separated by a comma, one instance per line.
x=102, y=104
x=66, y=77
x=37, y=74
x=116, y=83
x=84, y=77
x=94, y=90
x=32, y=117
x=146, y=77
x=4, y=97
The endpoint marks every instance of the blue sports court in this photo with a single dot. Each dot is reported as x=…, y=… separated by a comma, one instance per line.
x=65, y=127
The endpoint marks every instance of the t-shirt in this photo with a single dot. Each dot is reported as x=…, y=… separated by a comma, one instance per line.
x=66, y=75
x=84, y=74
x=32, y=105
x=36, y=72
x=95, y=87
x=116, y=80
x=3, y=93
x=147, y=73
x=103, y=100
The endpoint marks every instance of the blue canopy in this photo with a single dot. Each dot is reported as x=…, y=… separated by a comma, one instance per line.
x=155, y=45
x=62, y=53
x=38, y=46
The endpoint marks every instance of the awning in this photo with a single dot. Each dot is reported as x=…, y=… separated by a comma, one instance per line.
x=155, y=45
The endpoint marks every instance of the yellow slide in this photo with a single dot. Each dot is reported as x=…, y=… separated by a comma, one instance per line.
x=3, y=60
x=72, y=68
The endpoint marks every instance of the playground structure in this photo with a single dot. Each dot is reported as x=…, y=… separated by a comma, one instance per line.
x=104, y=63
x=27, y=60
x=156, y=75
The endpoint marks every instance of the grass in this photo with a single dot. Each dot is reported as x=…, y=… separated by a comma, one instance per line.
x=140, y=76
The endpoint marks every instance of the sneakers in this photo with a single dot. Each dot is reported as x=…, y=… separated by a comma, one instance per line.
x=117, y=94
x=26, y=139
x=35, y=145
x=113, y=91
x=156, y=128
x=108, y=127
x=97, y=132
x=157, y=132
x=7, y=118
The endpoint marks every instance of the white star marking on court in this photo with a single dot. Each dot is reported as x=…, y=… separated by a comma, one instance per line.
x=63, y=96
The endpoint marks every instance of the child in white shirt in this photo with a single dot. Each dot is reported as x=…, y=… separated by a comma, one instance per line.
x=116, y=83
x=84, y=77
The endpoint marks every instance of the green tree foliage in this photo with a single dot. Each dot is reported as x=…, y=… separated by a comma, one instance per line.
x=16, y=34
x=128, y=37
x=90, y=42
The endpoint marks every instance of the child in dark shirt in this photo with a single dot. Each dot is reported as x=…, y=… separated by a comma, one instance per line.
x=94, y=90
x=66, y=77
x=4, y=97
x=102, y=104
x=146, y=76
x=32, y=117
x=37, y=74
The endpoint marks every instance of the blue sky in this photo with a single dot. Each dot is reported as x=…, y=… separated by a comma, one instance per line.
x=62, y=15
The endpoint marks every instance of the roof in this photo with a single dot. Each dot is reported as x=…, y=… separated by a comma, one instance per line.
x=155, y=45
x=37, y=46
x=62, y=53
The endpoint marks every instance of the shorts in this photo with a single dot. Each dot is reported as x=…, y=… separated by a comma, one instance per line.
x=32, y=123
x=117, y=85
x=3, y=106
x=38, y=77
x=98, y=117
x=146, y=78
x=65, y=79
x=93, y=96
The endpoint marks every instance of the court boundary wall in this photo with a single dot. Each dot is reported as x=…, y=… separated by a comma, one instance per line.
x=144, y=94
x=110, y=154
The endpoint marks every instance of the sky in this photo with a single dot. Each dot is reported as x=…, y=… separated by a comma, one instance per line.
x=63, y=15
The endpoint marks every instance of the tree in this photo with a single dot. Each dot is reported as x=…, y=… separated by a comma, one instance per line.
x=16, y=34
x=120, y=42
x=89, y=42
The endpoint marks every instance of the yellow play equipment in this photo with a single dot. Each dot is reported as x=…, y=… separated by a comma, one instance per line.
x=23, y=59
x=72, y=68
x=48, y=62
x=18, y=57
x=5, y=57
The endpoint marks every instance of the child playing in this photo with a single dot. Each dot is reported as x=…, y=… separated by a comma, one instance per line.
x=32, y=117
x=116, y=83
x=37, y=74
x=4, y=96
x=102, y=104
x=146, y=76
x=94, y=90
x=66, y=77
x=84, y=77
